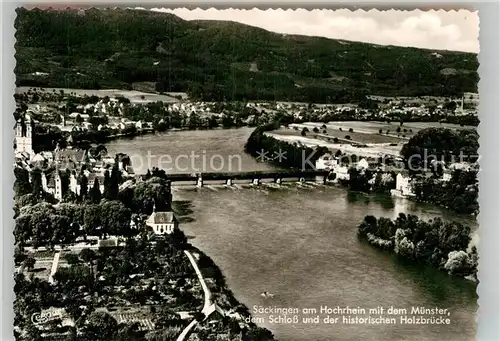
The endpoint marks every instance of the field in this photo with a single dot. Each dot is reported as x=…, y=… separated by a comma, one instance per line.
x=133, y=95
x=365, y=138
x=356, y=137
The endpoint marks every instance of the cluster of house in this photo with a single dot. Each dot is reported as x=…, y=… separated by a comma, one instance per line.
x=79, y=119
x=390, y=109
x=339, y=169
x=404, y=183
x=78, y=161
x=74, y=159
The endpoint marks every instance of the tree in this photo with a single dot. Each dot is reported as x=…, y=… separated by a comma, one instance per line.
x=92, y=220
x=61, y=232
x=304, y=131
x=441, y=144
x=87, y=255
x=316, y=130
x=95, y=192
x=451, y=106
x=212, y=122
x=100, y=326
x=380, y=131
x=257, y=334
x=199, y=316
x=79, y=119
x=227, y=121
x=83, y=186
x=107, y=184
x=19, y=254
x=36, y=182
x=459, y=263
x=111, y=191
x=351, y=130
x=22, y=184
x=115, y=218
x=29, y=263
x=155, y=191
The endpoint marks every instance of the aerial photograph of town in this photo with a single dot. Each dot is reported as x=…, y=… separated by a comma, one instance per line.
x=245, y=175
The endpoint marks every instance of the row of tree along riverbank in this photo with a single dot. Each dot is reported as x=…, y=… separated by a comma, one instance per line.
x=445, y=245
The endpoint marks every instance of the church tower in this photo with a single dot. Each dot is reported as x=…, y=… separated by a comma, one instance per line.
x=24, y=136
x=58, y=186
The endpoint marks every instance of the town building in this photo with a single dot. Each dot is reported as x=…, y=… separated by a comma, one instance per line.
x=362, y=164
x=342, y=173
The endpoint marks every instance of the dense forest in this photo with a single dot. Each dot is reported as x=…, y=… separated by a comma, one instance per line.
x=219, y=60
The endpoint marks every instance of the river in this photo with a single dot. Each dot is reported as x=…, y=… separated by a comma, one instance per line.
x=190, y=151
x=300, y=244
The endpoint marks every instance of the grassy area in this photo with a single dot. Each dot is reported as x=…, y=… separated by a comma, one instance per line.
x=374, y=127
x=41, y=269
x=356, y=137
x=43, y=254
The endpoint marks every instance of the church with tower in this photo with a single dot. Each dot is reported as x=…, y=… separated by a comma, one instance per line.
x=23, y=142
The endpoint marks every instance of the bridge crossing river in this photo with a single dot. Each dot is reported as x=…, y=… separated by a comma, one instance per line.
x=254, y=178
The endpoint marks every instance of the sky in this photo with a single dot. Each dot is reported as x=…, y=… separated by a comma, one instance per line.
x=442, y=30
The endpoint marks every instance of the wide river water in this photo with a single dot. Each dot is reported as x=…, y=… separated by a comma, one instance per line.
x=300, y=244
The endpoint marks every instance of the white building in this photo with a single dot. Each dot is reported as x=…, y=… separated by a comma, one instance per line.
x=162, y=222
x=447, y=175
x=342, y=173
x=362, y=164
x=404, y=187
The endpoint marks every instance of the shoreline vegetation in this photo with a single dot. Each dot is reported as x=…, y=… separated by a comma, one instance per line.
x=443, y=245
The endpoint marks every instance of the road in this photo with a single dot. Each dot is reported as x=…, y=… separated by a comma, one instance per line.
x=53, y=270
x=207, y=302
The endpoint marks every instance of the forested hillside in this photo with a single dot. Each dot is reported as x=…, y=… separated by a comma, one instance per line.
x=215, y=60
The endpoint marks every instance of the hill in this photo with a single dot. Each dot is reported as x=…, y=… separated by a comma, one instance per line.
x=216, y=60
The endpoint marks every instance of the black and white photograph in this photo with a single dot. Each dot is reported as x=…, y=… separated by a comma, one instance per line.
x=245, y=174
